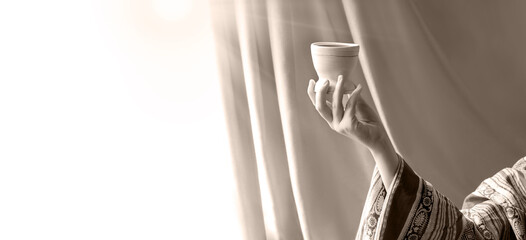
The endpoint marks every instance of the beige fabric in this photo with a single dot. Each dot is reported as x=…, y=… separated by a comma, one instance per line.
x=447, y=77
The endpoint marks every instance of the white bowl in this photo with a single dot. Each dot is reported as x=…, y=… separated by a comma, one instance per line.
x=331, y=59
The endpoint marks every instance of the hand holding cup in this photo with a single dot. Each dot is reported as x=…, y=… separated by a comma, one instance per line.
x=355, y=119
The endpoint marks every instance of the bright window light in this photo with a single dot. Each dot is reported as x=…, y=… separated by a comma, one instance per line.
x=172, y=10
x=106, y=129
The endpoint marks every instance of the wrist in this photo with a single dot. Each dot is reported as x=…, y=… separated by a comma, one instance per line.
x=383, y=146
x=386, y=160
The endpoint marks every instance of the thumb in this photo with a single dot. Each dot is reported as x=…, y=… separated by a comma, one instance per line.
x=350, y=109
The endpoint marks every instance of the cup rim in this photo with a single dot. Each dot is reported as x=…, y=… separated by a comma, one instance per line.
x=335, y=48
x=335, y=45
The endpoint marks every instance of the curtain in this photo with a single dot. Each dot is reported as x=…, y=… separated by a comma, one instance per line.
x=446, y=77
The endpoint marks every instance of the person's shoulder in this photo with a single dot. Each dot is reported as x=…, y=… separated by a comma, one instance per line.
x=520, y=164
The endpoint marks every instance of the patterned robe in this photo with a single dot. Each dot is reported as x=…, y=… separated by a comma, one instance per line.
x=412, y=209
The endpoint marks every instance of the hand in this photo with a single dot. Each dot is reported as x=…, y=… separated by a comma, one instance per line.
x=356, y=120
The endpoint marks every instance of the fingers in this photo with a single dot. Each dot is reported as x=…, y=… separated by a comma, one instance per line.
x=329, y=104
x=347, y=96
x=337, y=108
x=350, y=110
x=321, y=105
x=310, y=92
x=345, y=99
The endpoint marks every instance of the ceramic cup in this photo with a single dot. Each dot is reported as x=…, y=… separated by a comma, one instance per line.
x=332, y=59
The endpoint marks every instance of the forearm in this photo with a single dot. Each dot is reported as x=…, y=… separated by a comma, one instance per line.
x=386, y=160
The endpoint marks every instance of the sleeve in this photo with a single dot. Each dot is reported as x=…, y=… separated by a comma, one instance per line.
x=497, y=207
x=412, y=209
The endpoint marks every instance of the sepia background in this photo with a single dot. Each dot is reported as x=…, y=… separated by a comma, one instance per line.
x=447, y=78
x=189, y=119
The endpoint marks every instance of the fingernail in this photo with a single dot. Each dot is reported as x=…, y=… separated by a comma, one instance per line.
x=340, y=78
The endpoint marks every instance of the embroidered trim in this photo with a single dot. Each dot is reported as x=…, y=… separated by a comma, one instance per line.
x=371, y=221
x=422, y=214
x=512, y=212
x=469, y=232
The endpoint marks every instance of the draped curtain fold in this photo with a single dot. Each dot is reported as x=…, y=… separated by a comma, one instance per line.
x=446, y=78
